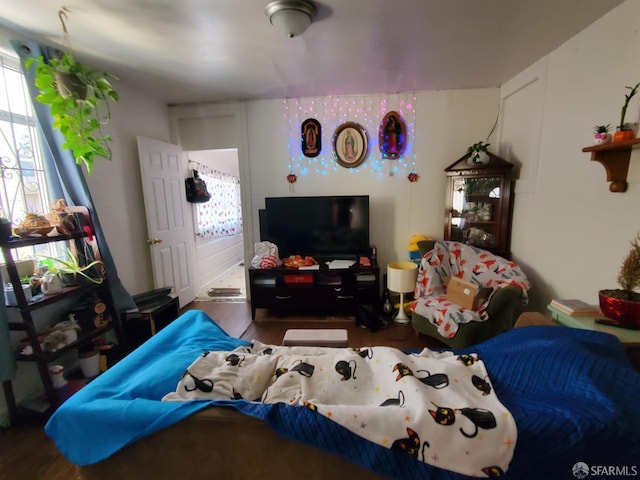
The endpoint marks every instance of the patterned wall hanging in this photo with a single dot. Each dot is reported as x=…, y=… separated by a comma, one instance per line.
x=392, y=135
x=311, y=135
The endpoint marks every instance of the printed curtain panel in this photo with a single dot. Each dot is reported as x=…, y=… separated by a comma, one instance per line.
x=222, y=215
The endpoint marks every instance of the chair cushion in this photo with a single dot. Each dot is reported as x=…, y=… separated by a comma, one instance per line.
x=453, y=259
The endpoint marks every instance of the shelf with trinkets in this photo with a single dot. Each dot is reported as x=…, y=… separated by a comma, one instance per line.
x=103, y=317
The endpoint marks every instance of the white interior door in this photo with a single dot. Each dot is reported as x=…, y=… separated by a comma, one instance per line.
x=169, y=220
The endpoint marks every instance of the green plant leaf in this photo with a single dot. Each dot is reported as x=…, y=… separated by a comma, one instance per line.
x=70, y=265
x=79, y=120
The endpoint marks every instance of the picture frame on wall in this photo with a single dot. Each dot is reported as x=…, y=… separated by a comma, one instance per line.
x=392, y=136
x=350, y=144
x=311, y=137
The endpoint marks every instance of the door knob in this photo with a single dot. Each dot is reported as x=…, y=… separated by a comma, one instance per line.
x=154, y=241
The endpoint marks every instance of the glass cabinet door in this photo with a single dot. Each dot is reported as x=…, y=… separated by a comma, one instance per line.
x=479, y=203
x=476, y=211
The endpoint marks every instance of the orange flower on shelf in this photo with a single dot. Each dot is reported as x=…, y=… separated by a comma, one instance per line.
x=413, y=177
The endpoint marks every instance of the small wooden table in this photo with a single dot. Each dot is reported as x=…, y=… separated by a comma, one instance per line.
x=630, y=339
x=152, y=316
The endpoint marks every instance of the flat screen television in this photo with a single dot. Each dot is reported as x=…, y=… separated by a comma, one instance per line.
x=325, y=227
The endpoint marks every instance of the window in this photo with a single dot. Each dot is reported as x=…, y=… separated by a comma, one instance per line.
x=22, y=180
x=22, y=185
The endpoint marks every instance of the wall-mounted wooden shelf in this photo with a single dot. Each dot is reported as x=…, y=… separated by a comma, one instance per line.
x=614, y=156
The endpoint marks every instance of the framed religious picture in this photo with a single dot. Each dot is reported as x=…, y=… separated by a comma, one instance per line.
x=311, y=136
x=392, y=136
x=350, y=144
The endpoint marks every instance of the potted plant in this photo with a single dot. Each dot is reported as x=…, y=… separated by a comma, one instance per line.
x=624, y=131
x=34, y=283
x=70, y=271
x=478, y=153
x=79, y=96
x=601, y=134
x=623, y=304
x=5, y=227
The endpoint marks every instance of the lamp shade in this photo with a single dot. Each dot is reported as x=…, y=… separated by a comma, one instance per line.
x=292, y=17
x=402, y=276
x=291, y=22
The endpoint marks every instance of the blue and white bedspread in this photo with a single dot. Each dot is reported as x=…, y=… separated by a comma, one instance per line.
x=572, y=394
x=430, y=405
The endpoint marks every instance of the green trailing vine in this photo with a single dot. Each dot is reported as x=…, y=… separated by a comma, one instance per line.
x=79, y=96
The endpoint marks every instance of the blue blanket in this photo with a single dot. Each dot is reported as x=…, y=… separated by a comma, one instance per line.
x=571, y=392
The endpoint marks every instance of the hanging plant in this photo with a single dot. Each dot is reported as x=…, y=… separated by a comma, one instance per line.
x=79, y=96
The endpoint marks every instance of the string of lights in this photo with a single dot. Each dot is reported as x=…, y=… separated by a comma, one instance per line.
x=365, y=110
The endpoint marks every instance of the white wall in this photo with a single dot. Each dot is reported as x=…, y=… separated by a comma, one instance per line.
x=446, y=123
x=116, y=186
x=570, y=232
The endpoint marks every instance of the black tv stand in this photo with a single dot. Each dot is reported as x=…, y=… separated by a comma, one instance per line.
x=322, y=259
x=323, y=290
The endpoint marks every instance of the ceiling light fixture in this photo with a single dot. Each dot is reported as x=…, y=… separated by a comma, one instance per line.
x=293, y=17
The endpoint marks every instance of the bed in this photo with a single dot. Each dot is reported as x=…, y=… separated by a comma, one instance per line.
x=572, y=395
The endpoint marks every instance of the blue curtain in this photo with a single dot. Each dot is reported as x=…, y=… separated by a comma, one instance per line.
x=64, y=176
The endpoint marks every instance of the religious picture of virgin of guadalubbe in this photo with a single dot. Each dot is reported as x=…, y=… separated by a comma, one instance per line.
x=392, y=136
x=350, y=144
x=311, y=135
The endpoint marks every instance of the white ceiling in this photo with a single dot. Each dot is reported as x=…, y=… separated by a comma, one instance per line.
x=186, y=51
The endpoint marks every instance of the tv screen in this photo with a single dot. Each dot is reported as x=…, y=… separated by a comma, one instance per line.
x=324, y=227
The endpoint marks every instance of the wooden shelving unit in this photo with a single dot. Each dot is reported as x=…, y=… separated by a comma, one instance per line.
x=27, y=324
x=614, y=157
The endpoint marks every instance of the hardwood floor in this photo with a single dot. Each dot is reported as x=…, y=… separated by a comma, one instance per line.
x=269, y=328
x=27, y=453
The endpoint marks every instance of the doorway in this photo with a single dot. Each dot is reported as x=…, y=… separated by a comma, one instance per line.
x=219, y=252
x=200, y=127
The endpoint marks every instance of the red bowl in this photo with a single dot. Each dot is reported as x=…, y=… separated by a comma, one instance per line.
x=624, y=311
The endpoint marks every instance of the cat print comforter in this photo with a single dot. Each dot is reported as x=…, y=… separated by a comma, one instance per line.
x=435, y=406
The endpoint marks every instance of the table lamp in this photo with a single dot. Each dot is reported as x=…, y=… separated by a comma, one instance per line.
x=401, y=278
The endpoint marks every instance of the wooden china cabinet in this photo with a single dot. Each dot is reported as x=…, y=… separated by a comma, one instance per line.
x=479, y=205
